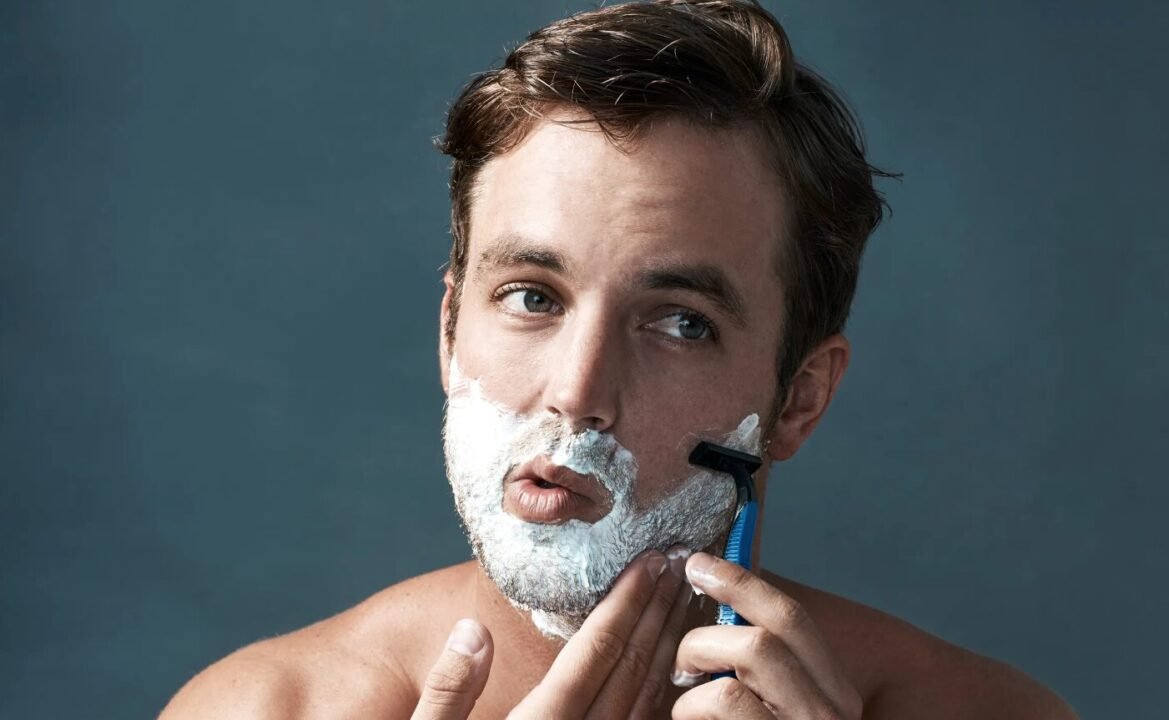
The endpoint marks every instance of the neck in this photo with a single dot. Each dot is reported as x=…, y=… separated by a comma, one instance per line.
x=519, y=645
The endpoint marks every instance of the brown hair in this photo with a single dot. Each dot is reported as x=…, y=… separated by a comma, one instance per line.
x=719, y=64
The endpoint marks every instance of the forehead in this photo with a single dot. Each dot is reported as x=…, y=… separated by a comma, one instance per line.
x=678, y=193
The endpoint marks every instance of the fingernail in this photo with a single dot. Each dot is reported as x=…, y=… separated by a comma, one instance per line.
x=465, y=639
x=677, y=556
x=700, y=572
x=656, y=565
x=681, y=678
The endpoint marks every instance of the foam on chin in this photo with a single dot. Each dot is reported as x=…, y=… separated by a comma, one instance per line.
x=560, y=572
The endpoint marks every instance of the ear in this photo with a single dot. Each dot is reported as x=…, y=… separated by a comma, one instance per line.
x=812, y=389
x=444, y=344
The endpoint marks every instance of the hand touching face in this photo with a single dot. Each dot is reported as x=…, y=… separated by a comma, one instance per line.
x=623, y=659
x=618, y=664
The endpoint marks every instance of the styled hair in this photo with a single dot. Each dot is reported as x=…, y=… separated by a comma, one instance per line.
x=720, y=64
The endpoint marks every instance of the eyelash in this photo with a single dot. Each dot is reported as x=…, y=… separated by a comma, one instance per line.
x=498, y=296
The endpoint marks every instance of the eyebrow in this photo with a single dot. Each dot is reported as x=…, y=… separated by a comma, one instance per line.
x=511, y=250
x=706, y=280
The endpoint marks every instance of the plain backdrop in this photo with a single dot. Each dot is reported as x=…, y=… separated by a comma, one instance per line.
x=221, y=232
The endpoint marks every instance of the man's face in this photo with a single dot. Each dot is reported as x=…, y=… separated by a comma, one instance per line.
x=617, y=308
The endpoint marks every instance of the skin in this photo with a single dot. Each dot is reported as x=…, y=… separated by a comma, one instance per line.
x=584, y=337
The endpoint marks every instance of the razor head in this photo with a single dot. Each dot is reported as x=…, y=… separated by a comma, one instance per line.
x=739, y=465
x=723, y=459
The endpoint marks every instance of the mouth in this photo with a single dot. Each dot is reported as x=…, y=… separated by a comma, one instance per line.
x=540, y=491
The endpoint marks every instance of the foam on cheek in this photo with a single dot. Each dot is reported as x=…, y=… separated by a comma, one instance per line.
x=746, y=437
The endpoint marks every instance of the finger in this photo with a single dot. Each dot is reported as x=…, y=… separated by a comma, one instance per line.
x=631, y=673
x=760, y=660
x=579, y=671
x=659, y=680
x=763, y=605
x=722, y=698
x=458, y=676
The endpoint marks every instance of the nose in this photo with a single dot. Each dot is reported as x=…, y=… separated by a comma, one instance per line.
x=583, y=373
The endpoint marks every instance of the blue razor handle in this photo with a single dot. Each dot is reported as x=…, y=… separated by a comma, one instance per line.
x=740, y=466
x=738, y=551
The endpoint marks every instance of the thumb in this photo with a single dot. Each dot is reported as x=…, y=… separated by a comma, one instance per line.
x=459, y=674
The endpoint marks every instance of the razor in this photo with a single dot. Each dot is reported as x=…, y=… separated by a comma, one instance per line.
x=740, y=466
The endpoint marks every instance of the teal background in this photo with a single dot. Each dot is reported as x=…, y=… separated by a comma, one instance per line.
x=221, y=228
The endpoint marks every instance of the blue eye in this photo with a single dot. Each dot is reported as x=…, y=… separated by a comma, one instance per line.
x=527, y=300
x=536, y=302
x=686, y=325
x=692, y=327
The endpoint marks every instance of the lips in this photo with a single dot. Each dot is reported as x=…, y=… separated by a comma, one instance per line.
x=540, y=491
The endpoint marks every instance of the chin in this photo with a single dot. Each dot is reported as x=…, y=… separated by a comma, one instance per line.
x=546, y=581
x=557, y=618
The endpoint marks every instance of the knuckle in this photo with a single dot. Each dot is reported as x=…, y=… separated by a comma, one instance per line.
x=444, y=688
x=654, y=689
x=790, y=613
x=607, y=646
x=760, y=643
x=732, y=694
x=636, y=660
x=740, y=580
x=445, y=680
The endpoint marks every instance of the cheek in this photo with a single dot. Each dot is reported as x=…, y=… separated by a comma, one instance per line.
x=703, y=397
x=665, y=425
x=507, y=370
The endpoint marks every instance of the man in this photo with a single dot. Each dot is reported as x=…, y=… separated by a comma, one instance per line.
x=658, y=218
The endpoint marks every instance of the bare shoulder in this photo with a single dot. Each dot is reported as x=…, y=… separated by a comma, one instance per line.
x=904, y=672
x=354, y=664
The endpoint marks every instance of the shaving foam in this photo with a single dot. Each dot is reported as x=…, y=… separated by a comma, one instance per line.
x=560, y=572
